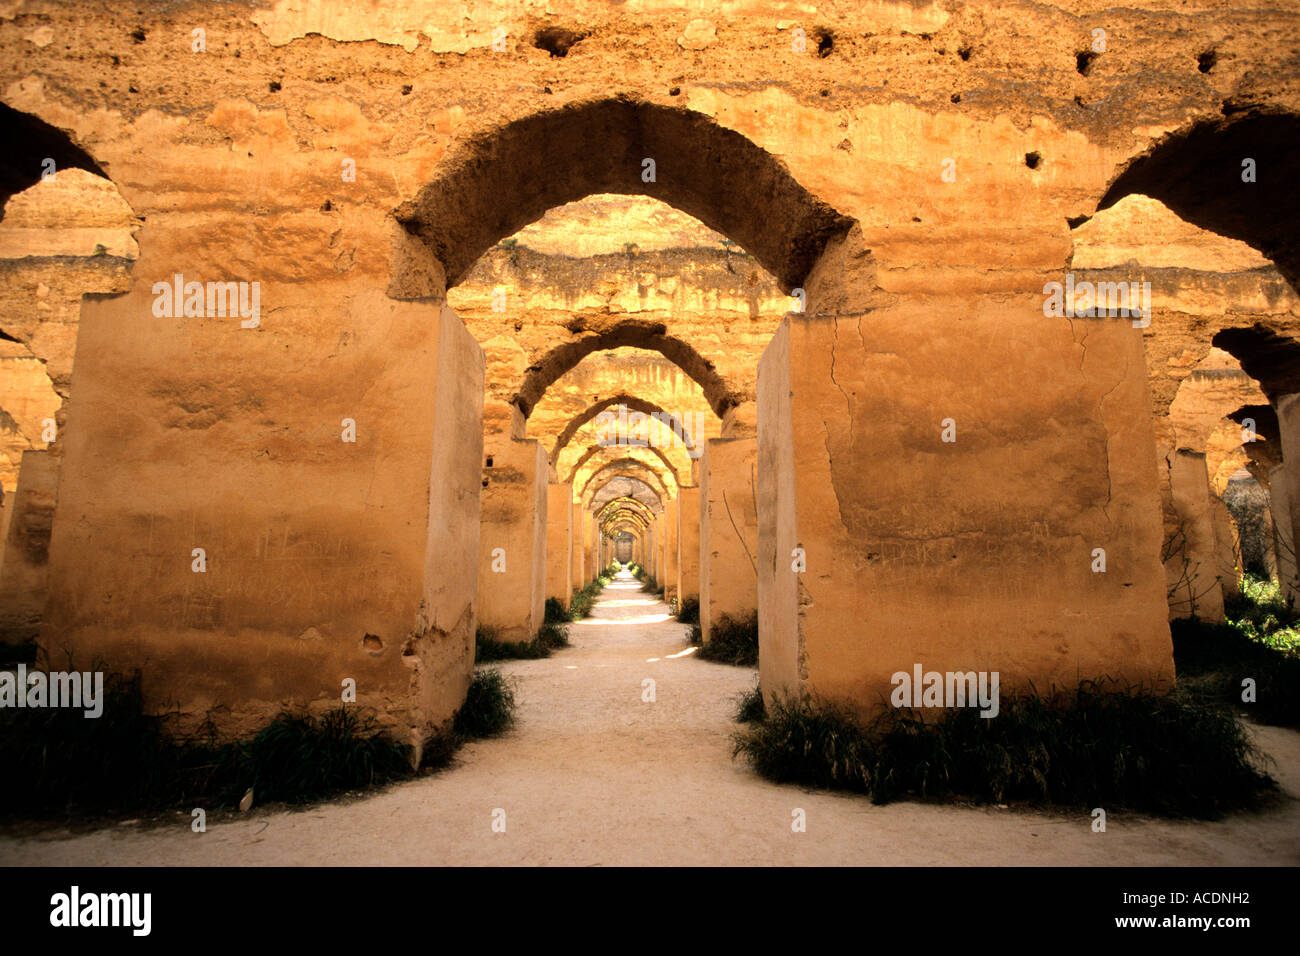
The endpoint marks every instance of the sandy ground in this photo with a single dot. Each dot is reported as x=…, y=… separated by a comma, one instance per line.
x=592, y=775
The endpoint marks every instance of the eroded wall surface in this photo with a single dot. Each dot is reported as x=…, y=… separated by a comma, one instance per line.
x=728, y=532
x=970, y=554
x=962, y=139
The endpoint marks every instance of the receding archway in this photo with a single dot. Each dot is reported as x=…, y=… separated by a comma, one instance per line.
x=631, y=454
x=637, y=334
x=632, y=402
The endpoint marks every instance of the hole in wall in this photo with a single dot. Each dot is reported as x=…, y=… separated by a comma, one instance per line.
x=1032, y=160
x=1205, y=62
x=556, y=40
x=274, y=86
x=825, y=43
x=1083, y=61
x=965, y=52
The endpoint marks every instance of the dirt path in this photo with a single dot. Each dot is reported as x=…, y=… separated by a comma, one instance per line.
x=593, y=775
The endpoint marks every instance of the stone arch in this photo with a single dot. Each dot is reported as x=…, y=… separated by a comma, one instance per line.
x=594, y=450
x=625, y=503
x=1230, y=176
x=495, y=183
x=600, y=481
x=1267, y=356
x=678, y=458
x=640, y=486
x=631, y=401
x=618, y=516
x=1197, y=172
x=637, y=333
x=62, y=237
x=29, y=142
x=631, y=467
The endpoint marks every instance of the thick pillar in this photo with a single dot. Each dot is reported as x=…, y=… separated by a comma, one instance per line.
x=559, y=547
x=656, y=547
x=1191, y=552
x=1227, y=547
x=669, y=579
x=728, y=531
x=1286, y=478
x=1280, y=506
x=512, y=554
x=688, y=542
x=25, y=579
x=577, y=547
x=591, y=547
x=883, y=547
x=239, y=548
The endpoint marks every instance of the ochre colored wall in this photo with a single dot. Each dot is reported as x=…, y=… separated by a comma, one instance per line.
x=1192, y=570
x=318, y=550
x=577, y=550
x=967, y=555
x=728, y=531
x=512, y=542
x=688, y=543
x=24, y=575
x=559, y=555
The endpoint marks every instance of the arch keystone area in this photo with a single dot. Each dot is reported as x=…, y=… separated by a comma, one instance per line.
x=493, y=185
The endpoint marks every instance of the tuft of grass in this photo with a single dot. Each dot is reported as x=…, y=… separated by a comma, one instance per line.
x=300, y=759
x=581, y=603
x=1259, y=612
x=552, y=635
x=487, y=647
x=1171, y=755
x=648, y=582
x=1213, y=661
x=556, y=612
x=750, y=707
x=688, y=611
x=489, y=707
x=585, y=597
x=813, y=743
x=127, y=761
x=732, y=642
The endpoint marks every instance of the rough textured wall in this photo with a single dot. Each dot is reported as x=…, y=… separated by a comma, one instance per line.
x=279, y=153
x=258, y=555
x=971, y=554
x=728, y=532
